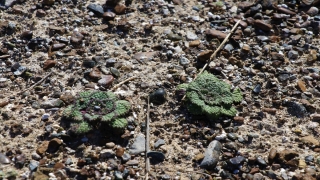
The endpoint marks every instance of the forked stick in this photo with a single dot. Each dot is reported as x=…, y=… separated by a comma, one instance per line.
x=216, y=51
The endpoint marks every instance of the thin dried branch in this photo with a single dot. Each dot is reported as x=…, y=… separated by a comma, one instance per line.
x=39, y=82
x=147, y=139
x=127, y=80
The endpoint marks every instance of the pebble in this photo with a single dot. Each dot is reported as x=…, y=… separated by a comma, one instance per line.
x=156, y=156
x=106, y=80
x=110, y=145
x=96, y=9
x=236, y=160
x=296, y=109
x=33, y=165
x=184, y=61
x=120, y=151
x=309, y=158
x=109, y=15
x=4, y=159
x=211, y=155
x=159, y=143
x=191, y=36
x=76, y=39
x=51, y=103
x=126, y=157
x=120, y=9
x=49, y=64
x=107, y=153
x=310, y=141
x=159, y=96
x=132, y=163
x=216, y=34
x=138, y=145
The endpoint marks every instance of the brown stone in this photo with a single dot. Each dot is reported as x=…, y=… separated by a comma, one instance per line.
x=215, y=34
x=254, y=170
x=246, y=48
x=41, y=13
x=4, y=102
x=95, y=73
x=48, y=2
x=132, y=172
x=58, y=46
x=56, y=29
x=272, y=155
x=76, y=38
x=312, y=11
x=205, y=55
x=120, y=9
x=42, y=148
x=58, y=166
x=238, y=119
x=269, y=110
x=26, y=34
x=198, y=157
x=277, y=56
x=301, y=85
x=263, y=25
x=106, y=80
x=119, y=151
x=244, y=5
x=194, y=43
x=49, y=64
x=310, y=141
x=109, y=15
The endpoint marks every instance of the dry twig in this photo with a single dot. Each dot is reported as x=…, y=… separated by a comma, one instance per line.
x=118, y=85
x=39, y=82
x=216, y=51
x=147, y=140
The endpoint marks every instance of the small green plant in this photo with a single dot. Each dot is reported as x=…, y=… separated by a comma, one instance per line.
x=207, y=95
x=91, y=107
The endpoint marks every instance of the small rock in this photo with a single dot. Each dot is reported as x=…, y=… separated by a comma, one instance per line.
x=301, y=85
x=42, y=148
x=216, y=34
x=110, y=145
x=126, y=157
x=109, y=15
x=236, y=160
x=41, y=13
x=191, y=36
x=205, y=55
x=302, y=164
x=309, y=158
x=132, y=163
x=115, y=71
x=48, y=2
x=159, y=143
x=106, y=80
x=119, y=152
x=49, y=64
x=313, y=11
x=96, y=9
x=138, y=145
x=194, y=43
x=4, y=159
x=174, y=37
x=286, y=155
x=211, y=155
x=33, y=165
x=156, y=156
x=296, y=109
x=76, y=39
x=145, y=55
x=262, y=25
x=107, y=153
x=158, y=96
x=272, y=155
x=35, y=156
x=184, y=61
x=120, y=9
x=51, y=103
x=293, y=55
x=95, y=73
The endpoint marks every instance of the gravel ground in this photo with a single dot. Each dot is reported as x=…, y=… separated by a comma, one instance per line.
x=51, y=50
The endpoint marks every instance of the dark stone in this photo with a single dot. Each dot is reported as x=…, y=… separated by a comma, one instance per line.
x=295, y=109
x=158, y=96
x=257, y=89
x=261, y=161
x=211, y=155
x=96, y=9
x=156, y=156
x=236, y=160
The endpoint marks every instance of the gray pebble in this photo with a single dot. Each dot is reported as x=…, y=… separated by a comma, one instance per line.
x=33, y=165
x=138, y=145
x=211, y=155
x=159, y=143
x=4, y=159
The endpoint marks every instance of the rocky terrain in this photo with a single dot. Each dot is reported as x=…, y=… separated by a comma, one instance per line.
x=53, y=50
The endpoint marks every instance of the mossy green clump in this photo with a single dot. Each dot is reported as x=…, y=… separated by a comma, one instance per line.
x=207, y=95
x=91, y=107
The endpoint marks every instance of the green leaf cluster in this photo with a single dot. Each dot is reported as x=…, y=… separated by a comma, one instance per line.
x=207, y=95
x=94, y=106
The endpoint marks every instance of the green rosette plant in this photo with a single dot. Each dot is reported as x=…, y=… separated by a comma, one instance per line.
x=91, y=107
x=207, y=95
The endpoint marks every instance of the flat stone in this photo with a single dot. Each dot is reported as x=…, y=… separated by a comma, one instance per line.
x=48, y=2
x=215, y=34
x=76, y=39
x=51, y=103
x=312, y=11
x=159, y=143
x=205, y=55
x=194, y=43
x=236, y=160
x=106, y=80
x=4, y=159
x=95, y=73
x=263, y=25
x=58, y=46
x=33, y=165
x=96, y=9
x=42, y=148
x=191, y=36
x=132, y=162
x=138, y=145
x=211, y=155
x=49, y=64
x=110, y=145
x=156, y=156
x=107, y=153
x=109, y=15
